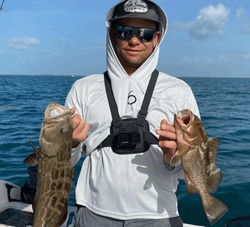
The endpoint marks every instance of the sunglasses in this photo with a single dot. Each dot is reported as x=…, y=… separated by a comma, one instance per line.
x=143, y=34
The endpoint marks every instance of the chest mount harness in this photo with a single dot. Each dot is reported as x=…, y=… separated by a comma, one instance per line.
x=130, y=136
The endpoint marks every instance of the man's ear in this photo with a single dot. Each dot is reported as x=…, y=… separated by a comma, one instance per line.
x=157, y=38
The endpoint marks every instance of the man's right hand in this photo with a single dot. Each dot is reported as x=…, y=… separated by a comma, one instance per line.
x=81, y=129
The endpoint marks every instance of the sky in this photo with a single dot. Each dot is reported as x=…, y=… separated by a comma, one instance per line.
x=59, y=37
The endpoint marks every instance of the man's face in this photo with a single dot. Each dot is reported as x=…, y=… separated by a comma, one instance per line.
x=133, y=53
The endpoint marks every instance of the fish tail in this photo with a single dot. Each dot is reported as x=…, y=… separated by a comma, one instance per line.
x=214, y=209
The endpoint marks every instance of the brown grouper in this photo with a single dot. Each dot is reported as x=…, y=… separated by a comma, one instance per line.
x=197, y=153
x=55, y=170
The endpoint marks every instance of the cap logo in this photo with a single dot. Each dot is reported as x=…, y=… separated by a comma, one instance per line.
x=137, y=6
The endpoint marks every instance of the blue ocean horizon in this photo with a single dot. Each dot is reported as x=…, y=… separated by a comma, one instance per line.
x=224, y=105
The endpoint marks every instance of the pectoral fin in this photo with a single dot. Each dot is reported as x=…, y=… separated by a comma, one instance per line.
x=31, y=159
x=214, y=180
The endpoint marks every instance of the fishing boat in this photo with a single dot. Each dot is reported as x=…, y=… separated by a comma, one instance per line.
x=15, y=213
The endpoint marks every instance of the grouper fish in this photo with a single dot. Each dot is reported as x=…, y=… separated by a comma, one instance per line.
x=54, y=168
x=197, y=154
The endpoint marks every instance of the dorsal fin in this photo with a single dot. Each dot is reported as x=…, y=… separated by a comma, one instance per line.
x=32, y=159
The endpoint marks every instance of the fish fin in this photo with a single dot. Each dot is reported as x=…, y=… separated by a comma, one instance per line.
x=36, y=149
x=214, y=209
x=191, y=189
x=175, y=160
x=31, y=160
x=215, y=173
x=213, y=145
x=214, y=180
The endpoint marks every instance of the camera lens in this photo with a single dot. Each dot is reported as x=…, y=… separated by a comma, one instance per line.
x=134, y=137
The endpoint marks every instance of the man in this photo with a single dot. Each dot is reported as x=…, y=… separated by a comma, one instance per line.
x=134, y=189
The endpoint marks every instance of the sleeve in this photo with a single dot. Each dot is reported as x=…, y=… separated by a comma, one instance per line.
x=74, y=100
x=189, y=102
x=178, y=170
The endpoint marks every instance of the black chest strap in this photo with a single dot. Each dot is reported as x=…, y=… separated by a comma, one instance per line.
x=141, y=117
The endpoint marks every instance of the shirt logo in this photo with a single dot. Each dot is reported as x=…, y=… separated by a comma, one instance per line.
x=137, y=6
x=131, y=98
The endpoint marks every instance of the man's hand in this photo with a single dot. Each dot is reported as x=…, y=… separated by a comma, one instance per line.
x=81, y=129
x=167, y=140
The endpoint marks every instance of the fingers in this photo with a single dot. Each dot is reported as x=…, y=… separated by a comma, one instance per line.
x=166, y=130
x=167, y=139
x=81, y=128
x=73, y=110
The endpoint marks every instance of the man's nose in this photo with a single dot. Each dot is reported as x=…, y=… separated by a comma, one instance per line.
x=134, y=40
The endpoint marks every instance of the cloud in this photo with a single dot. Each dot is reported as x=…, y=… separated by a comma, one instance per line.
x=62, y=40
x=242, y=20
x=98, y=44
x=230, y=57
x=197, y=60
x=1, y=51
x=22, y=43
x=246, y=55
x=209, y=21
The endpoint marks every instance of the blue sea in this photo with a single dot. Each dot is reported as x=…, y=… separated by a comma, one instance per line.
x=224, y=105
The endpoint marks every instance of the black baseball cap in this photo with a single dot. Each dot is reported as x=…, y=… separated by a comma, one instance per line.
x=135, y=9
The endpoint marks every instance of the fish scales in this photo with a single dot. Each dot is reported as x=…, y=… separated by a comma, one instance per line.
x=55, y=170
x=197, y=153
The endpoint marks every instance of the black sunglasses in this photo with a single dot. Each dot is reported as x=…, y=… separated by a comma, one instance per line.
x=126, y=33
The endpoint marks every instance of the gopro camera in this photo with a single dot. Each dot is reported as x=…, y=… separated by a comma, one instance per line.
x=130, y=138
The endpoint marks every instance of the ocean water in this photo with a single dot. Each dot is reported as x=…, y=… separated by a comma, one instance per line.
x=224, y=105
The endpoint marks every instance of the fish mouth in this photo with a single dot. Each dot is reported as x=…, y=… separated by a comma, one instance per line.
x=183, y=118
x=54, y=112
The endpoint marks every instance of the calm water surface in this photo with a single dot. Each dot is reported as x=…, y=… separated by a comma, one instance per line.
x=224, y=105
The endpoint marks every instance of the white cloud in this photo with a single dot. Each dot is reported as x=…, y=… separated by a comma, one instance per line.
x=62, y=40
x=198, y=60
x=246, y=55
x=1, y=51
x=228, y=57
x=22, y=43
x=243, y=21
x=210, y=20
x=223, y=57
x=240, y=13
x=98, y=44
x=238, y=56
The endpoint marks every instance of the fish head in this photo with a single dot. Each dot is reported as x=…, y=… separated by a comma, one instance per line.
x=57, y=125
x=189, y=129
